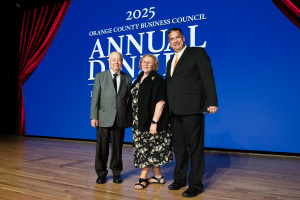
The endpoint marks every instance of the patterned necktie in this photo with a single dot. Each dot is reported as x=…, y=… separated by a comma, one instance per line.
x=176, y=60
x=115, y=81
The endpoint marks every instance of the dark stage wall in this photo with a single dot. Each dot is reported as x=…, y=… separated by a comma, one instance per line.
x=10, y=20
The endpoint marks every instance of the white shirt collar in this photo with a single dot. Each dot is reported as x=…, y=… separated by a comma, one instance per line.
x=112, y=72
x=181, y=52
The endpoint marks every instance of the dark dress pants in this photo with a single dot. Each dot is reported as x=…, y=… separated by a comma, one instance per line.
x=116, y=135
x=188, y=145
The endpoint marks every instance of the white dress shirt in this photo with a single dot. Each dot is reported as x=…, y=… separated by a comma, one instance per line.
x=174, y=58
x=118, y=78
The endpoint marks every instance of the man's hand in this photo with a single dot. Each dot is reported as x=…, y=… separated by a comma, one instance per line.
x=212, y=109
x=94, y=123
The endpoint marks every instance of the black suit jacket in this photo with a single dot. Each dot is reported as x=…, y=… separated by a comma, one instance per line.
x=192, y=88
x=151, y=91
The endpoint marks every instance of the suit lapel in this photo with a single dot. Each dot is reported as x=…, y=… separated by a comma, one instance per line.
x=169, y=66
x=181, y=59
x=110, y=81
x=122, y=78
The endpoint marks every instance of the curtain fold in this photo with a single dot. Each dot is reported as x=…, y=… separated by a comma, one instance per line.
x=290, y=9
x=39, y=27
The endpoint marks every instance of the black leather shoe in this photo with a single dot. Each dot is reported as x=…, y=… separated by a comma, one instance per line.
x=117, y=179
x=191, y=192
x=101, y=180
x=175, y=186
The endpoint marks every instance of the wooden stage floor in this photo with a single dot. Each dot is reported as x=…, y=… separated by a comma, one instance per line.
x=55, y=169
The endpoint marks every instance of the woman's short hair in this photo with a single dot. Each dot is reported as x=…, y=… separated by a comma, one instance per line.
x=155, y=61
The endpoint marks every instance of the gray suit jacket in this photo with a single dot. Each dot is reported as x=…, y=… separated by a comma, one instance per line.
x=106, y=103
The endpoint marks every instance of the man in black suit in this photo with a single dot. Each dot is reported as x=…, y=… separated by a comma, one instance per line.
x=110, y=96
x=191, y=93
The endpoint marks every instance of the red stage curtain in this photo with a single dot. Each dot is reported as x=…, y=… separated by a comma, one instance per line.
x=39, y=27
x=290, y=8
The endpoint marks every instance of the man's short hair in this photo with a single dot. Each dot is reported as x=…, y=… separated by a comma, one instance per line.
x=174, y=29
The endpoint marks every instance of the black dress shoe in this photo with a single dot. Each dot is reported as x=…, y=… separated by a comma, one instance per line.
x=175, y=186
x=117, y=179
x=101, y=180
x=191, y=192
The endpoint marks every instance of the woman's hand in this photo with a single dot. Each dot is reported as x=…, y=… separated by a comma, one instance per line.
x=153, y=128
x=159, y=107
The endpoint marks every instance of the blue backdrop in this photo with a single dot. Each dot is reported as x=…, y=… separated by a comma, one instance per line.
x=254, y=50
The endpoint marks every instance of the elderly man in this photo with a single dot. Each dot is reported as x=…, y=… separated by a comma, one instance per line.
x=110, y=95
x=191, y=93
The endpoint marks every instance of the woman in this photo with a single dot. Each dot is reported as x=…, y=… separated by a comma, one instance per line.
x=150, y=124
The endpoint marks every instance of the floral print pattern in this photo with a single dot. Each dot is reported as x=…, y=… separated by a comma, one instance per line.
x=149, y=150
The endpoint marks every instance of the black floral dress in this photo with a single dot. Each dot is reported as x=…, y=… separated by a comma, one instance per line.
x=149, y=150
